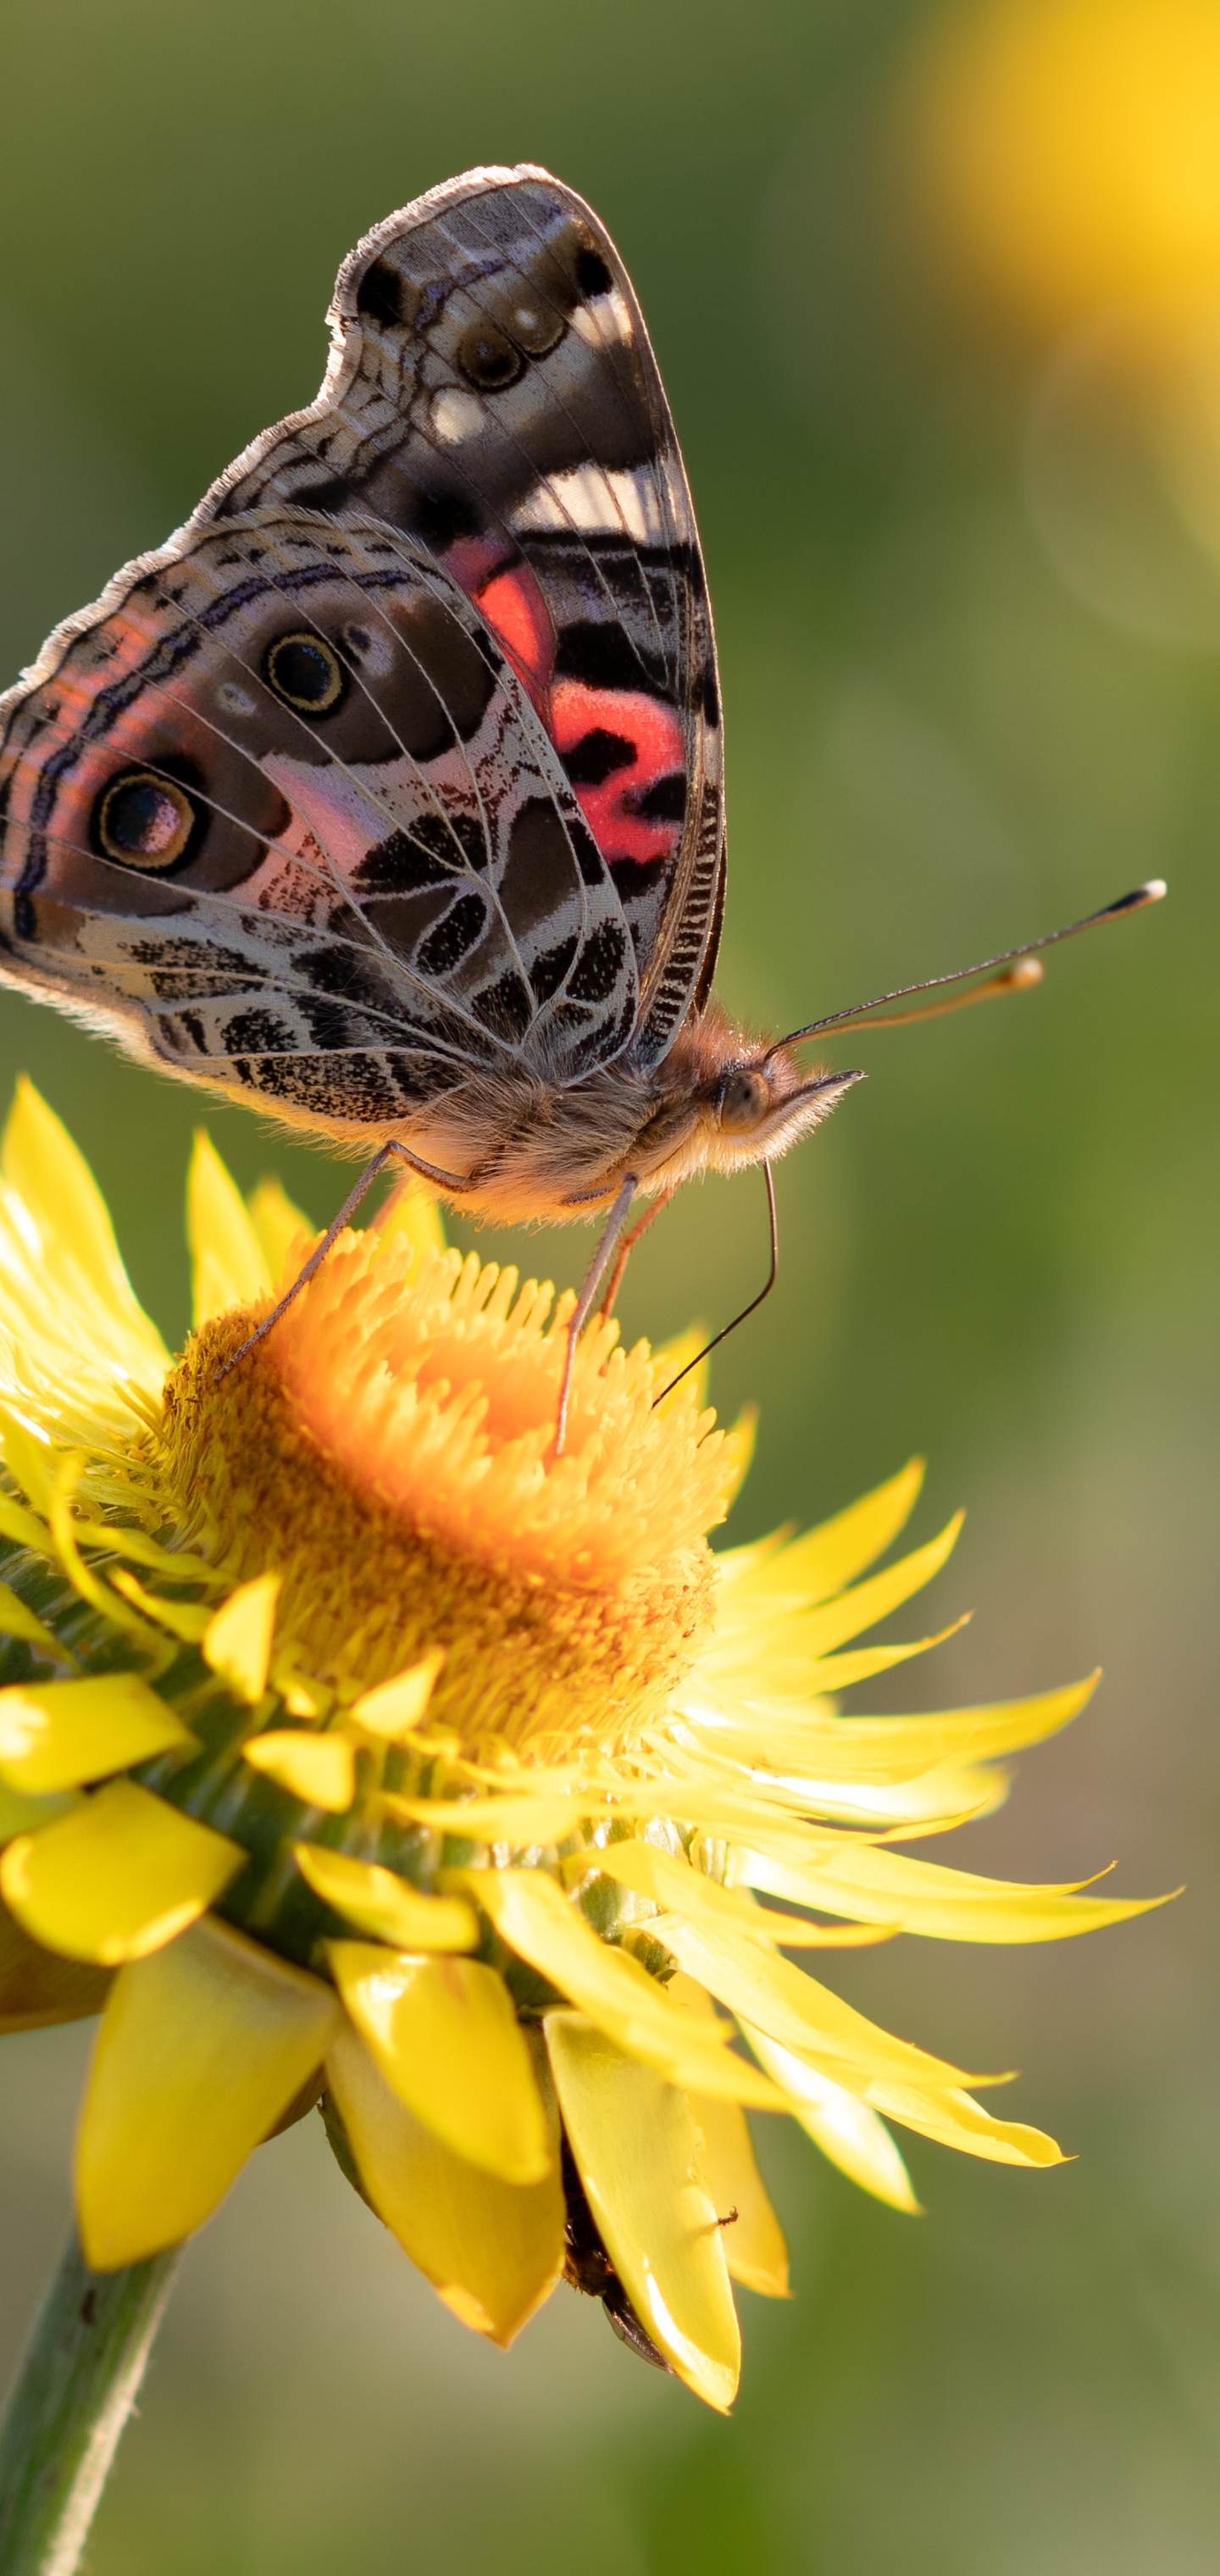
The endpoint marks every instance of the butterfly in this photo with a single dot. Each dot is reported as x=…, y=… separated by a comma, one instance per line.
x=388, y=795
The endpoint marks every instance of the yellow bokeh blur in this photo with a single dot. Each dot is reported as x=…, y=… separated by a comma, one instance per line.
x=1068, y=152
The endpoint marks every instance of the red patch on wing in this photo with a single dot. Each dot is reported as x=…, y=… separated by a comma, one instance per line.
x=619, y=745
x=514, y=607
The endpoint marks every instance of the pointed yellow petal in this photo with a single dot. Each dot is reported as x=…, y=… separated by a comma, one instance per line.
x=201, y=2049
x=536, y=1920
x=827, y=1558
x=941, y=1904
x=448, y=2042
x=50, y=1175
x=394, y=1708
x=116, y=1879
x=493, y=2250
x=845, y=2129
x=320, y=1770
x=237, y=1639
x=54, y=1735
x=794, y=2009
x=385, y=1906
x=227, y=1258
x=825, y=1629
x=37, y=1988
x=673, y=1882
x=281, y=1229
x=636, y=2148
x=754, y=2247
x=954, y=2120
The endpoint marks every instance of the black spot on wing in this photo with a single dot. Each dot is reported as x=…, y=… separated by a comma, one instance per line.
x=548, y=971
x=427, y=855
x=592, y=275
x=259, y=1032
x=453, y=937
x=597, y=755
x=600, y=964
x=505, y=1008
x=601, y=653
x=384, y=295
x=441, y=517
x=664, y=801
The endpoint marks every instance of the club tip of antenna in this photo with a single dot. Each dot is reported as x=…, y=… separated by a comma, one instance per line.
x=1024, y=972
x=1152, y=892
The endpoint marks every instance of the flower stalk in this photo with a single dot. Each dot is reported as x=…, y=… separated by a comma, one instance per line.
x=76, y=2387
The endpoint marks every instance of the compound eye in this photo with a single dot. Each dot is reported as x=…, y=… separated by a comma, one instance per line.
x=144, y=820
x=744, y=1101
x=305, y=671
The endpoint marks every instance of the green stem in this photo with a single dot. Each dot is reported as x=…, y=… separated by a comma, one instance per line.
x=75, y=2390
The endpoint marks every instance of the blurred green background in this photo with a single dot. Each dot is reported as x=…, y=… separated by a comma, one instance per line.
x=952, y=462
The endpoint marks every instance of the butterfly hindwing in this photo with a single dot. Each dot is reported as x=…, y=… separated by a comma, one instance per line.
x=284, y=806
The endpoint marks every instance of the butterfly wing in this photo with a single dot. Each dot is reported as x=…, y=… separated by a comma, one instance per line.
x=403, y=757
x=283, y=810
x=493, y=395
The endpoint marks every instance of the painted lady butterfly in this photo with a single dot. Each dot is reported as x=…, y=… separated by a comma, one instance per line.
x=388, y=795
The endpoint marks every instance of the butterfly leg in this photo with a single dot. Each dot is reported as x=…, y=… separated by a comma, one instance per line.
x=627, y=1247
x=333, y=1231
x=589, y=1288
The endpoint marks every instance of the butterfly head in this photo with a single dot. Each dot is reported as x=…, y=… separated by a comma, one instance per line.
x=761, y=1102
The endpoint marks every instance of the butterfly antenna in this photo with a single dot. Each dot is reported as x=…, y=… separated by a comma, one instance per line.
x=1020, y=971
x=726, y=1329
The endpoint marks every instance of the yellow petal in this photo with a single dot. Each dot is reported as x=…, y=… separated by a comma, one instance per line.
x=54, y=1735
x=954, y=2120
x=448, y=2042
x=493, y=2250
x=282, y=1230
x=237, y=1639
x=845, y=2128
x=827, y=1558
x=201, y=2049
x=536, y=1920
x=673, y=1882
x=228, y=1262
x=794, y=2009
x=941, y=1904
x=754, y=2247
x=18, y=1620
x=120, y=1876
x=394, y=1708
x=37, y=1988
x=825, y=1629
x=320, y=1770
x=636, y=2148
x=385, y=1906
x=516, y=1821
x=53, y=1180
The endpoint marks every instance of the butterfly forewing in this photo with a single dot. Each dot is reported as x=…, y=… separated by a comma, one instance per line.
x=494, y=396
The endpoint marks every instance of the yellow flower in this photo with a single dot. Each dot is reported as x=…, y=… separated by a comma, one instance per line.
x=353, y=1748
x=1069, y=151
